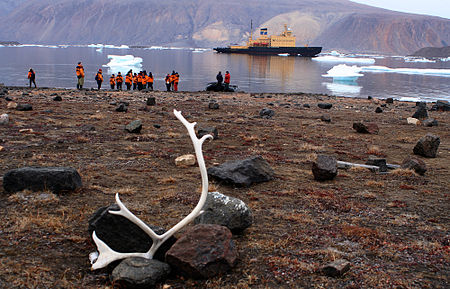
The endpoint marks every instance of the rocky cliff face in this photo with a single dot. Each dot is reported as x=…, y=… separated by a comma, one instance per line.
x=333, y=24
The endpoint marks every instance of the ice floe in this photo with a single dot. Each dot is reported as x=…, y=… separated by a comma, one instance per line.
x=343, y=72
x=344, y=89
x=343, y=59
x=108, y=46
x=123, y=63
x=420, y=71
x=36, y=45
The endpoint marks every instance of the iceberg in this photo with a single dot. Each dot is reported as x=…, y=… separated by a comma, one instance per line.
x=37, y=45
x=343, y=72
x=100, y=46
x=420, y=71
x=445, y=59
x=283, y=54
x=123, y=63
x=342, y=59
x=344, y=89
x=415, y=59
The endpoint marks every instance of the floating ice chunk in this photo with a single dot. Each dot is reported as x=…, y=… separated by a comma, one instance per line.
x=445, y=59
x=342, y=59
x=415, y=59
x=123, y=63
x=283, y=54
x=344, y=72
x=99, y=50
x=343, y=89
x=420, y=71
x=108, y=46
x=335, y=53
x=410, y=99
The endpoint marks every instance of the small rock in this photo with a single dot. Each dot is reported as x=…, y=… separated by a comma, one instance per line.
x=213, y=105
x=57, y=98
x=412, y=120
x=389, y=100
x=430, y=122
x=4, y=119
x=134, y=127
x=139, y=273
x=306, y=105
x=226, y=211
x=11, y=105
x=151, y=101
x=325, y=105
x=325, y=118
x=324, y=168
x=208, y=130
x=8, y=98
x=336, y=268
x=24, y=107
x=26, y=130
x=122, y=108
x=371, y=128
x=185, y=160
x=1, y=148
x=378, y=110
x=427, y=146
x=421, y=113
x=204, y=251
x=414, y=163
x=157, y=125
x=266, y=113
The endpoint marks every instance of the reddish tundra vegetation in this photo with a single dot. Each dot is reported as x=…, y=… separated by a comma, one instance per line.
x=393, y=228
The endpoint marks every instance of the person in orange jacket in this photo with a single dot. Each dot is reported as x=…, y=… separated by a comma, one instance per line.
x=172, y=79
x=176, y=79
x=112, y=81
x=227, y=81
x=99, y=78
x=144, y=79
x=119, y=81
x=135, y=81
x=150, y=81
x=80, y=75
x=168, y=84
x=32, y=77
x=129, y=79
x=139, y=81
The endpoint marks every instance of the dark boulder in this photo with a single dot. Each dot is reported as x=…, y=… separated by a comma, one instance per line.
x=421, y=112
x=24, y=107
x=122, y=107
x=225, y=211
x=325, y=105
x=389, y=100
x=151, y=101
x=430, y=122
x=381, y=163
x=57, y=98
x=213, y=105
x=134, y=127
x=441, y=105
x=324, y=168
x=336, y=268
x=123, y=236
x=427, y=146
x=139, y=273
x=243, y=172
x=414, y=163
x=208, y=130
x=306, y=105
x=371, y=128
x=54, y=179
x=266, y=113
x=204, y=251
x=325, y=118
x=378, y=110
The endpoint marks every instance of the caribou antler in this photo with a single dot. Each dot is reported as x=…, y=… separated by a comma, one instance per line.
x=106, y=255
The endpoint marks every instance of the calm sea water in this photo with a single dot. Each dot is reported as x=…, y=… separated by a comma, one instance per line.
x=55, y=67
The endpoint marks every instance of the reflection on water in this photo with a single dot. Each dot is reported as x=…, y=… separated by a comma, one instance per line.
x=252, y=73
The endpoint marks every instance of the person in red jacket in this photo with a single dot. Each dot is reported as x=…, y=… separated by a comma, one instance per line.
x=227, y=81
x=99, y=78
x=32, y=77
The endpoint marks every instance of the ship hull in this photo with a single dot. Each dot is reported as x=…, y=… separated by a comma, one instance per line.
x=292, y=51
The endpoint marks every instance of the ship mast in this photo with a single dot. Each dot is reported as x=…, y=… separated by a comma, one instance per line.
x=251, y=29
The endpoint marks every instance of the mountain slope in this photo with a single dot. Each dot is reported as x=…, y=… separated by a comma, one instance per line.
x=333, y=24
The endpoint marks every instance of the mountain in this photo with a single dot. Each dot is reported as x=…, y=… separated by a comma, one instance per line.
x=433, y=52
x=334, y=24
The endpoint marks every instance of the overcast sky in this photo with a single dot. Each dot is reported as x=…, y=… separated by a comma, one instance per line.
x=430, y=7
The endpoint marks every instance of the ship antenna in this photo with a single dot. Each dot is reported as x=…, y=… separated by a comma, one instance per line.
x=251, y=29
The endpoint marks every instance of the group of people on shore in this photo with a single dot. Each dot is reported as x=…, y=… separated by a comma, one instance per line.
x=138, y=81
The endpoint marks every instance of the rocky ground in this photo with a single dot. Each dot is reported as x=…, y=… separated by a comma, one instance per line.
x=393, y=228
